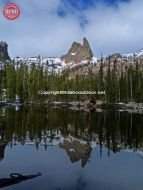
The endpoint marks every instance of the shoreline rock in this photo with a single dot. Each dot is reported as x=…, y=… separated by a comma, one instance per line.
x=86, y=106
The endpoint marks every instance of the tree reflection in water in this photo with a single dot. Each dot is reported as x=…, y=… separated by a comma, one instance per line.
x=74, y=131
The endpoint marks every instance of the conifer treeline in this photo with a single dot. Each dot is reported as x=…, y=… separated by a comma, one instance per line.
x=120, y=86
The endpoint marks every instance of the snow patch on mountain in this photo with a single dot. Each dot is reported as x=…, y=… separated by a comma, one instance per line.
x=74, y=53
x=51, y=64
x=135, y=54
x=139, y=53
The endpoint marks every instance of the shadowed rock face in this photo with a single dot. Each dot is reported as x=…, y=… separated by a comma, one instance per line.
x=76, y=150
x=78, y=52
x=4, y=51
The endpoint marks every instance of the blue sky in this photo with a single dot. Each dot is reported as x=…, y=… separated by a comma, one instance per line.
x=85, y=4
x=82, y=5
x=48, y=27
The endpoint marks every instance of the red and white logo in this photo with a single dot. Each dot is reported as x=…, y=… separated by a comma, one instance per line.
x=11, y=11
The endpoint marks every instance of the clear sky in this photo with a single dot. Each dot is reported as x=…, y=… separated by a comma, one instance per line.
x=48, y=27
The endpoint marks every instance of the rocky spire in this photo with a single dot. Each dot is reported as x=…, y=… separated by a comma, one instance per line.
x=78, y=52
x=4, y=51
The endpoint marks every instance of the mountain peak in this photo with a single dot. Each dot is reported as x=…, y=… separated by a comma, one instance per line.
x=4, y=51
x=78, y=52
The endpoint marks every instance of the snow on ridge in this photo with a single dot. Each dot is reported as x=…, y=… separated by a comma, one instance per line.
x=51, y=64
x=136, y=54
x=128, y=55
x=139, y=53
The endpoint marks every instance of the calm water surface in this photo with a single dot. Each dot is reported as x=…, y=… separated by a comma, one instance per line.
x=72, y=150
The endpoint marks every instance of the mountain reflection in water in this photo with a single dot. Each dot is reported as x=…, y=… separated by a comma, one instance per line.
x=74, y=132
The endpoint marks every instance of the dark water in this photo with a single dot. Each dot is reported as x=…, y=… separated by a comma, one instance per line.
x=73, y=150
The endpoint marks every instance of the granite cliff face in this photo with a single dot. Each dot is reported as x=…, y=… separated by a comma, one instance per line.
x=4, y=51
x=78, y=52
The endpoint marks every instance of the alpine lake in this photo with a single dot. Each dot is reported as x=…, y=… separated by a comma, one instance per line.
x=63, y=149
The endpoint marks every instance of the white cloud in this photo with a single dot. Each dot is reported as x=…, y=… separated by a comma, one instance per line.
x=116, y=29
x=40, y=30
